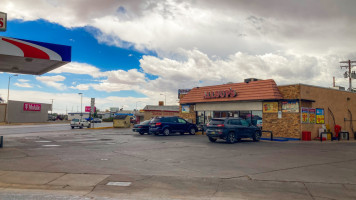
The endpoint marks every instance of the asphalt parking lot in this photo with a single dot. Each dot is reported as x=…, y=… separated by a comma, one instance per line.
x=120, y=164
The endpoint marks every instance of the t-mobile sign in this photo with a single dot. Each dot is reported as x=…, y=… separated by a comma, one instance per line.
x=31, y=107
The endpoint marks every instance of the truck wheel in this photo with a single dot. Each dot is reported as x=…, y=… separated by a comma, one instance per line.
x=81, y=126
x=72, y=127
x=230, y=138
x=212, y=139
x=256, y=136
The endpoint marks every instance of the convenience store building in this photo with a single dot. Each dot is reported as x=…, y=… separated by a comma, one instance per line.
x=286, y=110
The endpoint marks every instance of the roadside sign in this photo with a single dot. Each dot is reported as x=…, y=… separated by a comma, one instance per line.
x=88, y=109
x=92, y=104
x=3, y=21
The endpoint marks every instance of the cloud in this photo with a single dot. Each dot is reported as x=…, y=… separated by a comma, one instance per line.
x=24, y=85
x=320, y=27
x=23, y=80
x=79, y=68
x=53, y=81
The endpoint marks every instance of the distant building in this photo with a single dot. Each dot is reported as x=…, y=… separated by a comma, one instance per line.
x=77, y=115
x=23, y=112
x=151, y=111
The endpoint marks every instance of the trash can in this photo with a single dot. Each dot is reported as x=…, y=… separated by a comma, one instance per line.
x=306, y=135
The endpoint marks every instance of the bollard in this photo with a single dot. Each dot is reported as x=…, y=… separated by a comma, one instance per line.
x=1, y=140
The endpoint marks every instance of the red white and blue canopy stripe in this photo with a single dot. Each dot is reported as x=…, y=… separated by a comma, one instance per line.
x=31, y=57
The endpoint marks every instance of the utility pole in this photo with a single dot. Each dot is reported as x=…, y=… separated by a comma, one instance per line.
x=52, y=106
x=349, y=74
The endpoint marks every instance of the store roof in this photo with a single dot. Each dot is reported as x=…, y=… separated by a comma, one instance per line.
x=31, y=57
x=161, y=108
x=255, y=90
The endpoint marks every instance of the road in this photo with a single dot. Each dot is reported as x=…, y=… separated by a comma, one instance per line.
x=96, y=164
x=25, y=130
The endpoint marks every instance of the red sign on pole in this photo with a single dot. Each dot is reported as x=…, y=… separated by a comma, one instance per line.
x=87, y=108
x=31, y=107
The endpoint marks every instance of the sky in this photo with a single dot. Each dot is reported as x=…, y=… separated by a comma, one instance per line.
x=132, y=53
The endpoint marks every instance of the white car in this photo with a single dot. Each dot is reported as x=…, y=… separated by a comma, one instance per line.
x=79, y=123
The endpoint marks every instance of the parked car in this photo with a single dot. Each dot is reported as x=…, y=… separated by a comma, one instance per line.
x=97, y=120
x=142, y=128
x=79, y=123
x=168, y=125
x=232, y=130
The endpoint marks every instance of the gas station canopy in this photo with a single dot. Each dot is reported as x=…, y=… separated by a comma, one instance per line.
x=31, y=57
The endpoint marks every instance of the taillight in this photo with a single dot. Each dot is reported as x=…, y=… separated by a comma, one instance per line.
x=221, y=125
x=140, y=126
x=158, y=124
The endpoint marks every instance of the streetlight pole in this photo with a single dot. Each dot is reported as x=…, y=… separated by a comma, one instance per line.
x=8, y=87
x=7, y=101
x=81, y=101
x=165, y=103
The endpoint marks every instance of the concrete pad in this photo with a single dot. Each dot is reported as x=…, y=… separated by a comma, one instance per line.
x=262, y=190
x=79, y=180
x=332, y=191
x=159, y=187
x=29, y=178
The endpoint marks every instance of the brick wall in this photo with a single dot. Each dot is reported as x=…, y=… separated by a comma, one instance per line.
x=289, y=125
x=191, y=116
x=334, y=102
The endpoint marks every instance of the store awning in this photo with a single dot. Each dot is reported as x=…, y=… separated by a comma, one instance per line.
x=31, y=57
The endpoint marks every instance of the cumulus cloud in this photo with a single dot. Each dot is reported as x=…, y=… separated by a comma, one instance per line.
x=221, y=29
x=24, y=85
x=79, y=68
x=53, y=81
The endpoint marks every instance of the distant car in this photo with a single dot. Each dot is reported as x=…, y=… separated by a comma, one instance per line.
x=97, y=120
x=168, y=125
x=232, y=130
x=142, y=128
x=79, y=123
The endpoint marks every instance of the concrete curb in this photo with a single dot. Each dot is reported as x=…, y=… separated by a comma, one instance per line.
x=101, y=128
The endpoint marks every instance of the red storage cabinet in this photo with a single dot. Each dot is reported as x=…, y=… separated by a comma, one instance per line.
x=306, y=135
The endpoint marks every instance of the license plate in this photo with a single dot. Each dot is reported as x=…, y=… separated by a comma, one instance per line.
x=212, y=132
x=152, y=125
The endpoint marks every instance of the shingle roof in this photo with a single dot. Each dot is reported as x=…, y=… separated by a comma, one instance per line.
x=255, y=90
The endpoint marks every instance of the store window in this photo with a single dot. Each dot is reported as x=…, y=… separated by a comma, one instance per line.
x=257, y=118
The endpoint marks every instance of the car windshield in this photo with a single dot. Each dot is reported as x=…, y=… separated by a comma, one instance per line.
x=75, y=120
x=216, y=122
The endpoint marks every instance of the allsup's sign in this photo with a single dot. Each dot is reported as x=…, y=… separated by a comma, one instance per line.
x=220, y=94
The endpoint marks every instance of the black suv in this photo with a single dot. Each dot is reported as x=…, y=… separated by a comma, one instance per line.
x=232, y=130
x=168, y=125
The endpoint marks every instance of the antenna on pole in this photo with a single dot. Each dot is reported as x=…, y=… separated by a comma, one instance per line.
x=349, y=74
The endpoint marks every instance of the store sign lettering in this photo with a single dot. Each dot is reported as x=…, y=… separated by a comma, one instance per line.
x=31, y=107
x=220, y=94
